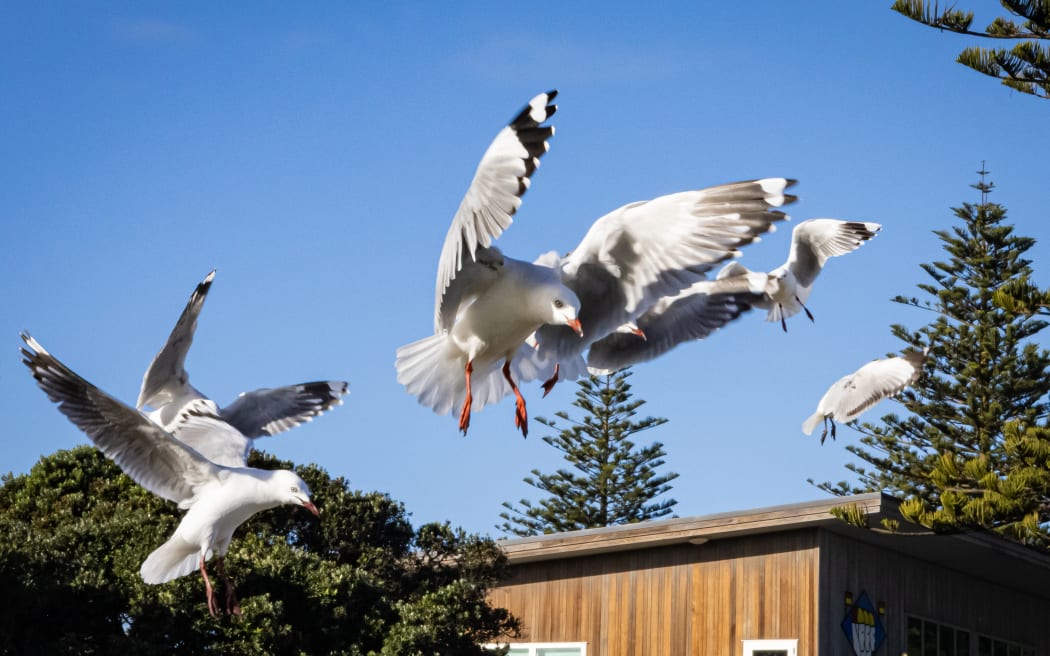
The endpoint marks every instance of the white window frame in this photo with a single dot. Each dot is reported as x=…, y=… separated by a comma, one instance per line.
x=751, y=646
x=533, y=646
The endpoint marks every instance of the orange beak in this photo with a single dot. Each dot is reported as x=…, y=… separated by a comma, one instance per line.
x=640, y=333
x=575, y=325
x=312, y=508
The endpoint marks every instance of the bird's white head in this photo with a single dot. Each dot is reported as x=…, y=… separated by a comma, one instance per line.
x=565, y=309
x=293, y=490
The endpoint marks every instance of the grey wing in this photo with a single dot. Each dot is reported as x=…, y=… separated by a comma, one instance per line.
x=491, y=200
x=642, y=252
x=815, y=240
x=272, y=411
x=166, y=375
x=695, y=313
x=142, y=449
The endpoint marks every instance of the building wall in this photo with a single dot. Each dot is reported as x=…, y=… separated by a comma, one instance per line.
x=703, y=600
x=910, y=586
x=695, y=600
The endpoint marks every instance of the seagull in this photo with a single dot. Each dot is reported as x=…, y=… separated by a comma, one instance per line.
x=487, y=304
x=691, y=314
x=223, y=435
x=852, y=395
x=217, y=499
x=784, y=290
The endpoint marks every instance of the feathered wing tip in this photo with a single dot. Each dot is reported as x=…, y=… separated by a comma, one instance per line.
x=432, y=370
x=169, y=561
x=810, y=424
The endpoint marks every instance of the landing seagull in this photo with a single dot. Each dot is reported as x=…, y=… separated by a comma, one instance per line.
x=223, y=435
x=487, y=304
x=217, y=499
x=784, y=290
x=852, y=395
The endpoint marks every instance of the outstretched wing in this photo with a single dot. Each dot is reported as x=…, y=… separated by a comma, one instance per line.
x=642, y=252
x=694, y=313
x=272, y=411
x=142, y=449
x=166, y=377
x=491, y=200
x=815, y=240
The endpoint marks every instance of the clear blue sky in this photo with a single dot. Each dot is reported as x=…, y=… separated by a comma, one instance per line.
x=314, y=154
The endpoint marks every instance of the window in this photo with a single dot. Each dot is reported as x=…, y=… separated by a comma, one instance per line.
x=545, y=648
x=989, y=646
x=926, y=638
x=771, y=648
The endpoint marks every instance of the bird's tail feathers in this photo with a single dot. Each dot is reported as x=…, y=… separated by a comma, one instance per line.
x=810, y=424
x=432, y=370
x=169, y=561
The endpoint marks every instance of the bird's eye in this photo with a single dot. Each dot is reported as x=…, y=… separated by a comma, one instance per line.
x=558, y=303
x=295, y=490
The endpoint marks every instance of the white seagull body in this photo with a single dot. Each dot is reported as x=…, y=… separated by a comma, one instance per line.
x=217, y=499
x=487, y=305
x=223, y=435
x=852, y=395
x=784, y=290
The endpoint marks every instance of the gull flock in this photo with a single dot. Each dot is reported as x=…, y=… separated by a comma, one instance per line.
x=637, y=285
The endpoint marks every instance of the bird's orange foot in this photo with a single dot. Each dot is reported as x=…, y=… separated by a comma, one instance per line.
x=521, y=417
x=549, y=384
x=464, y=416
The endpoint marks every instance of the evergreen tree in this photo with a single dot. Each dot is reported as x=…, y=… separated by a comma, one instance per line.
x=1025, y=67
x=614, y=481
x=975, y=450
x=360, y=580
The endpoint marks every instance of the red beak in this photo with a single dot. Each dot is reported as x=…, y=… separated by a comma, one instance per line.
x=312, y=508
x=640, y=333
x=575, y=325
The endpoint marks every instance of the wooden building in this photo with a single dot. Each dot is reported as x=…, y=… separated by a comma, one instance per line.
x=783, y=581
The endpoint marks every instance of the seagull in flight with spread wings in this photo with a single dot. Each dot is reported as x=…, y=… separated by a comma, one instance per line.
x=852, y=395
x=223, y=435
x=784, y=290
x=217, y=499
x=487, y=305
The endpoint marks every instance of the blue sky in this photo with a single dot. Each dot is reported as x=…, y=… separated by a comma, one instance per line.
x=314, y=154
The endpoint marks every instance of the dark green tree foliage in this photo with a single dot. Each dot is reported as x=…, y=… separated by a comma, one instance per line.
x=613, y=481
x=358, y=581
x=976, y=449
x=1024, y=67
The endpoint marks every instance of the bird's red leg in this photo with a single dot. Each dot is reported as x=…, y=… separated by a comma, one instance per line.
x=464, y=415
x=213, y=606
x=549, y=384
x=232, y=607
x=521, y=418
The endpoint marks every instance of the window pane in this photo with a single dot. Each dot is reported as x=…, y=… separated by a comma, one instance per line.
x=984, y=646
x=914, y=635
x=518, y=651
x=558, y=651
x=946, y=645
x=929, y=639
x=962, y=643
x=1015, y=650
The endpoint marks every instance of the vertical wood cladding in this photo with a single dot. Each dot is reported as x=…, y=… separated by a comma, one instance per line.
x=678, y=600
x=703, y=600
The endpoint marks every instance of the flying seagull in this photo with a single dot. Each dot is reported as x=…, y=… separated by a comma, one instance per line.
x=852, y=395
x=784, y=290
x=217, y=499
x=223, y=435
x=691, y=314
x=487, y=304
